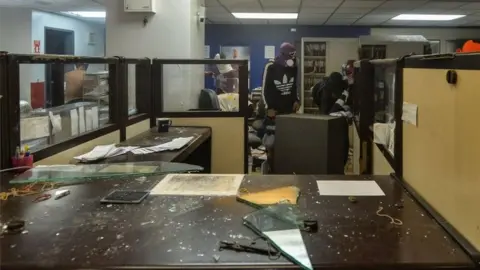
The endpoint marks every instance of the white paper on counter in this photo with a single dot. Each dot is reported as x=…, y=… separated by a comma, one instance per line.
x=88, y=120
x=74, y=122
x=410, y=113
x=95, y=117
x=81, y=119
x=349, y=188
x=269, y=52
x=34, y=128
x=199, y=185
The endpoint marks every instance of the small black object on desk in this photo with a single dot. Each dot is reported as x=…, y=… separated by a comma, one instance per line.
x=163, y=124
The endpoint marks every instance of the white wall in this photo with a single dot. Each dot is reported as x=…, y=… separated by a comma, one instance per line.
x=16, y=37
x=442, y=34
x=81, y=30
x=171, y=33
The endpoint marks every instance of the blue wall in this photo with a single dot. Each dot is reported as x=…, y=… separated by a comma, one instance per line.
x=258, y=36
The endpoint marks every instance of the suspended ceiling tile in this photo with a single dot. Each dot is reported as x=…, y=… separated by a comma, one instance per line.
x=245, y=9
x=349, y=10
x=314, y=16
x=216, y=10
x=317, y=10
x=281, y=3
x=321, y=3
x=362, y=4
x=245, y=4
x=346, y=16
x=403, y=4
x=212, y=3
x=280, y=9
x=443, y=4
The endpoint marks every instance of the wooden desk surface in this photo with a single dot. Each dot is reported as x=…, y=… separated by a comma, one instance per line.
x=152, y=137
x=181, y=231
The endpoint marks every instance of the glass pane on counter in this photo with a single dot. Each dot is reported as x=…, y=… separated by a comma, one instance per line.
x=81, y=173
x=61, y=101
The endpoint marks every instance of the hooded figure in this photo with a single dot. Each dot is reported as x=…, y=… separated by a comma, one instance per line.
x=279, y=93
x=280, y=83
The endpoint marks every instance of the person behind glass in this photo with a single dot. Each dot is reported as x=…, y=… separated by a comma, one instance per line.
x=74, y=82
x=279, y=93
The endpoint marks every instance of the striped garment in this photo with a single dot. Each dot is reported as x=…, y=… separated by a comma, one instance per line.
x=340, y=108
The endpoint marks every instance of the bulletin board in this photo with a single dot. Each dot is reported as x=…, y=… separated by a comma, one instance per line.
x=441, y=155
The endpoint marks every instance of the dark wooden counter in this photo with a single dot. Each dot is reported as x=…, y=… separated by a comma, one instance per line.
x=202, y=137
x=78, y=232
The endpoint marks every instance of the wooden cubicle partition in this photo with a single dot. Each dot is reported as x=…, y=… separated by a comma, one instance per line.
x=441, y=154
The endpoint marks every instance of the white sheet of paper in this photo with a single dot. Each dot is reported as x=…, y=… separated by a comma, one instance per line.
x=269, y=52
x=199, y=185
x=290, y=242
x=81, y=119
x=95, y=117
x=74, y=122
x=410, y=113
x=349, y=188
x=56, y=121
x=34, y=128
x=98, y=152
x=88, y=120
x=206, y=52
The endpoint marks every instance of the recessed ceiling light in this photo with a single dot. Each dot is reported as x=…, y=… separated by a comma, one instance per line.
x=88, y=14
x=265, y=16
x=427, y=17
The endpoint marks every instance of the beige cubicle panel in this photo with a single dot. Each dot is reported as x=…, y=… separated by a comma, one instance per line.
x=66, y=156
x=228, y=141
x=441, y=155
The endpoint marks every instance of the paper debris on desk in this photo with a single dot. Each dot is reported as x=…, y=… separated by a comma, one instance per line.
x=199, y=185
x=349, y=188
x=175, y=144
x=74, y=122
x=34, y=128
x=104, y=151
x=410, y=113
x=291, y=244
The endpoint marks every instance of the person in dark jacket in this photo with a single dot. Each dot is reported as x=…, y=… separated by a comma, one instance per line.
x=280, y=95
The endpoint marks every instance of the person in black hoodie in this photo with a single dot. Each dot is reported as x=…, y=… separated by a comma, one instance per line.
x=279, y=93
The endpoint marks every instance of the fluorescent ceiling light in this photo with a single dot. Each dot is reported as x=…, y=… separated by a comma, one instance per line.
x=88, y=14
x=427, y=17
x=266, y=16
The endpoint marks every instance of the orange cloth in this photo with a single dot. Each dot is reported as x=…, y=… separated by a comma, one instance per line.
x=74, y=84
x=470, y=46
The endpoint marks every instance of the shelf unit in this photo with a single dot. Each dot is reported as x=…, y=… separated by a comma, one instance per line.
x=313, y=69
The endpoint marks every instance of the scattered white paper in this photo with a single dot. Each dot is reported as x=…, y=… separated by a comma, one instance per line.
x=349, y=188
x=269, y=52
x=174, y=144
x=290, y=242
x=34, y=128
x=81, y=119
x=410, y=113
x=74, y=122
x=95, y=117
x=56, y=121
x=206, y=52
x=88, y=120
x=104, y=151
x=199, y=185
x=381, y=133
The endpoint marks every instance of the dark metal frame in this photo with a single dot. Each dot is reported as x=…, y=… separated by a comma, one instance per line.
x=364, y=106
x=11, y=120
x=4, y=111
x=157, y=91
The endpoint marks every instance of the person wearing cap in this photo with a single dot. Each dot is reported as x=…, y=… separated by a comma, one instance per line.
x=279, y=92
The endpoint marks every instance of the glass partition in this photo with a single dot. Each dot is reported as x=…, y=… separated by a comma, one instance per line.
x=181, y=85
x=53, y=100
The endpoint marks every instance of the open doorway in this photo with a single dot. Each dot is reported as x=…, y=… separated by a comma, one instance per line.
x=57, y=41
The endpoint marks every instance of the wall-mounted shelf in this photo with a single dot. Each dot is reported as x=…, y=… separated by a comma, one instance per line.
x=146, y=6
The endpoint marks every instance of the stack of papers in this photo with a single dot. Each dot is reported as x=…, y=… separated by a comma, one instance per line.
x=104, y=151
x=175, y=144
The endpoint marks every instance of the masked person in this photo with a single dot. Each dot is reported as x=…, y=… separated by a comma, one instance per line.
x=279, y=93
